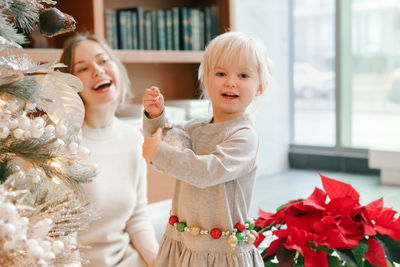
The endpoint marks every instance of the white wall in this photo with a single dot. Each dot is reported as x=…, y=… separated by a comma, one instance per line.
x=268, y=19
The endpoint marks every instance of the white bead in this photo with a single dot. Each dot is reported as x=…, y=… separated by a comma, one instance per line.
x=83, y=153
x=24, y=123
x=61, y=130
x=27, y=134
x=59, y=143
x=8, y=231
x=36, y=178
x=39, y=121
x=37, y=133
x=49, y=130
x=4, y=131
x=58, y=247
x=12, y=124
x=73, y=147
x=18, y=133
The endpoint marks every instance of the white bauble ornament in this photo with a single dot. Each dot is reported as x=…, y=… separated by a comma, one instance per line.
x=83, y=153
x=58, y=247
x=176, y=137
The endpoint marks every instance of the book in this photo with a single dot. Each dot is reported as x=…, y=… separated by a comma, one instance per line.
x=168, y=29
x=140, y=27
x=111, y=28
x=154, y=37
x=195, y=26
x=122, y=29
x=134, y=30
x=214, y=20
x=207, y=25
x=161, y=31
x=201, y=29
x=176, y=28
x=147, y=30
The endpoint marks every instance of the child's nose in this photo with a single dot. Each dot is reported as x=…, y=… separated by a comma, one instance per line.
x=230, y=81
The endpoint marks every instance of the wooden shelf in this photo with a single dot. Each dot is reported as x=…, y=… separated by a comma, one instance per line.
x=126, y=56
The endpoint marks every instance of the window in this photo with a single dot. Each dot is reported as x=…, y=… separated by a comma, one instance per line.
x=363, y=37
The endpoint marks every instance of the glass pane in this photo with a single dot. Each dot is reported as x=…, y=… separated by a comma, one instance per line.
x=376, y=74
x=314, y=72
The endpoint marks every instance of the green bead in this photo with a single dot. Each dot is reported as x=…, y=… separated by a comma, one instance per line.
x=250, y=222
x=180, y=226
x=240, y=236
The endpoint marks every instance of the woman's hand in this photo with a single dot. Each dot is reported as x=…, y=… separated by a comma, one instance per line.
x=153, y=102
x=150, y=145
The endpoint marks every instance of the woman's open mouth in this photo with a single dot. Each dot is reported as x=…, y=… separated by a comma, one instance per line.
x=102, y=85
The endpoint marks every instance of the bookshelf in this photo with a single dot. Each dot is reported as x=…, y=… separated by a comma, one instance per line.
x=174, y=72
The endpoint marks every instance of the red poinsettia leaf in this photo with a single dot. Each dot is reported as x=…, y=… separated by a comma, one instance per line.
x=260, y=238
x=273, y=247
x=285, y=256
x=374, y=208
x=315, y=258
x=386, y=224
x=336, y=189
x=316, y=200
x=265, y=215
x=344, y=205
x=375, y=254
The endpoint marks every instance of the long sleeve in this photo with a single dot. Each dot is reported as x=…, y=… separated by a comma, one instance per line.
x=235, y=157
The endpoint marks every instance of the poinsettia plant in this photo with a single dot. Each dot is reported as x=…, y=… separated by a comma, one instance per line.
x=339, y=231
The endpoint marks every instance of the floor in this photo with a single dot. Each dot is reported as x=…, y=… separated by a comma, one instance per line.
x=274, y=190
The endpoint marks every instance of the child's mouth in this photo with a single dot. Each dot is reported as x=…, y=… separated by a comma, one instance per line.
x=102, y=85
x=229, y=95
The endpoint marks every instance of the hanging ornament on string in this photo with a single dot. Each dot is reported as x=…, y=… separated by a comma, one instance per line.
x=53, y=22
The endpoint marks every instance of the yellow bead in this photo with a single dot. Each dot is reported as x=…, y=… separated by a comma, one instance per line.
x=195, y=230
x=232, y=241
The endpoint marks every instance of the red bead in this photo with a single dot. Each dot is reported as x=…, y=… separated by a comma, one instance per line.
x=172, y=220
x=240, y=226
x=216, y=233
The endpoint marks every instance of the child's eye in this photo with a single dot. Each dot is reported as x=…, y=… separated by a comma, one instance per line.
x=220, y=74
x=243, y=75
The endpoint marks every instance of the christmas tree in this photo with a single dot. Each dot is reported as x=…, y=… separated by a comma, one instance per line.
x=41, y=162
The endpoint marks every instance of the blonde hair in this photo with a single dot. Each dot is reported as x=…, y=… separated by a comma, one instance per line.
x=68, y=58
x=225, y=46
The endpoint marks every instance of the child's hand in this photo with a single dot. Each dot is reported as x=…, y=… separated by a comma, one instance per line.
x=153, y=102
x=150, y=145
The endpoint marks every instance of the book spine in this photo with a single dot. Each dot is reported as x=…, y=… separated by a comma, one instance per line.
x=207, y=24
x=134, y=31
x=168, y=29
x=214, y=20
x=176, y=26
x=154, y=42
x=195, y=19
x=141, y=27
x=122, y=29
x=147, y=30
x=161, y=30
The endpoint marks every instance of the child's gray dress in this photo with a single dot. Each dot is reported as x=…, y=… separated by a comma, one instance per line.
x=213, y=189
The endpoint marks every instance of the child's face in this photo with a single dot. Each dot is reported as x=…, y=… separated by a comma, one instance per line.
x=232, y=86
x=98, y=73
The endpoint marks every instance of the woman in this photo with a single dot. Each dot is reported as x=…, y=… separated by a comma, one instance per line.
x=123, y=235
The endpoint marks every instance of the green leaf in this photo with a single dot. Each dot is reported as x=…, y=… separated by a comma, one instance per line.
x=334, y=262
x=347, y=257
x=360, y=250
x=390, y=246
x=270, y=264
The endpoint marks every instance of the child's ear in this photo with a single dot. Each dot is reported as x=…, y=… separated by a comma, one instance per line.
x=259, y=90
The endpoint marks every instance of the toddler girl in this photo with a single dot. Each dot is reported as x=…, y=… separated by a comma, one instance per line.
x=209, y=224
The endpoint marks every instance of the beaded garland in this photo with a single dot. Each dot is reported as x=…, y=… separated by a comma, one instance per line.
x=243, y=232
